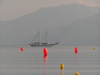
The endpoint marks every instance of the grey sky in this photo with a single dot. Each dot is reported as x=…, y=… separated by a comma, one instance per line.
x=12, y=9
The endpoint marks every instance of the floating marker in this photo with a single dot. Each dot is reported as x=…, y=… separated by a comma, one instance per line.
x=45, y=51
x=76, y=73
x=21, y=48
x=76, y=50
x=94, y=48
x=62, y=66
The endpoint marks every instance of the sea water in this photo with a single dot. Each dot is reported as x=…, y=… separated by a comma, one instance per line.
x=31, y=61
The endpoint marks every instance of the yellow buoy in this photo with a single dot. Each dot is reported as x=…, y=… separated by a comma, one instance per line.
x=76, y=73
x=62, y=66
x=94, y=48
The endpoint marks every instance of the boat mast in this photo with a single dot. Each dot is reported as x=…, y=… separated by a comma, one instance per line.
x=46, y=34
x=39, y=35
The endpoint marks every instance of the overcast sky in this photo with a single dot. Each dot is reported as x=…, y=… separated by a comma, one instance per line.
x=12, y=9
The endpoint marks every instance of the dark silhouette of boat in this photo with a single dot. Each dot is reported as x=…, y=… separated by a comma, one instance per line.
x=39, y=44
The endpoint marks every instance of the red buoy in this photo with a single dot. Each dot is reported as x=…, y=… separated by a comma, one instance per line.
x=76, y=50
x=45, y=51
x=21, y=48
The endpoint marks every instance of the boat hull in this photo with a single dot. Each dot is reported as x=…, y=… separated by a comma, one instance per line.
x=41, y=45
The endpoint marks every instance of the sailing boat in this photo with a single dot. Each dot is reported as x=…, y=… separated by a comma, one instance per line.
x=39, y=44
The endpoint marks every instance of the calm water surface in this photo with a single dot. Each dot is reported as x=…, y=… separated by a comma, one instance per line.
x=32, y=61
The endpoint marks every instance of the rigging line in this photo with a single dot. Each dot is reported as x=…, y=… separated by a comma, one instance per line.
x=43, y=38
x=35, y=37
x=38, y=34
x=46, y=33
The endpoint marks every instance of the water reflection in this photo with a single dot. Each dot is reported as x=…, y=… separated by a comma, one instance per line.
x=45, y=59
x=76, y=59
x=62, y=72
x=45, y=63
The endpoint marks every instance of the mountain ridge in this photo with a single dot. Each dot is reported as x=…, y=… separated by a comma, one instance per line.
x=22, y=30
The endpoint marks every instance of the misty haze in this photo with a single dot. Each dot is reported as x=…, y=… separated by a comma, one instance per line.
x=71, y=25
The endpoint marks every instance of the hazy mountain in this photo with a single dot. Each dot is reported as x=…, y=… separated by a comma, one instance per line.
x=82, y=32
x=70, y=24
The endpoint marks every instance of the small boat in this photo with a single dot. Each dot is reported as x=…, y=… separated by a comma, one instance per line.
x=40, y=44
